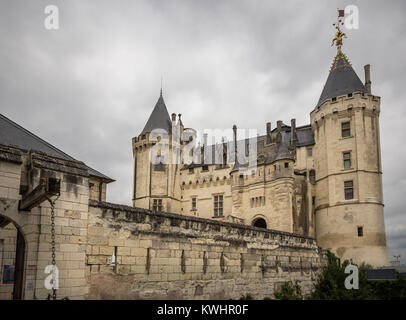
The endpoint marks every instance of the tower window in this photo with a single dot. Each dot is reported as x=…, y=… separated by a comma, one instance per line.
x=349, y=190
x=360, y=231
x=218, y=205
x=286, y=164
x=347, y=160
x=310, y=152
x=205, y=168
x=193, y=203
x=157, y=206
x=345, y=129
x=312, y=176
x=191, y=170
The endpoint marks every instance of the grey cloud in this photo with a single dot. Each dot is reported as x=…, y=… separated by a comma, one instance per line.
x=89, y=87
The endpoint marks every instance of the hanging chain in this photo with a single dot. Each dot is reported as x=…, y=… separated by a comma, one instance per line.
x=53, y=247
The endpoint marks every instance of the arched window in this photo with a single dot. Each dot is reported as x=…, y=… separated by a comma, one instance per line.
x=259, y=223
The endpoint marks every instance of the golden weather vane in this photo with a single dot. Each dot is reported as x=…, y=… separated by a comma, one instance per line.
x=339, y=34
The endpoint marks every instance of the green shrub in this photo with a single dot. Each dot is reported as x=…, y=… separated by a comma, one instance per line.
x=289, y=291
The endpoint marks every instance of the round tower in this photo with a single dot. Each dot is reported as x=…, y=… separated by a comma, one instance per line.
x=156, y=172
x=349, y=218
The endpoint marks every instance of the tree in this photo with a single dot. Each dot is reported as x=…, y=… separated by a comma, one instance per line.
x=289, y=291
x=330, y=284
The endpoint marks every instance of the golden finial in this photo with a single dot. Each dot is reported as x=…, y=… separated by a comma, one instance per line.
x=339, y=34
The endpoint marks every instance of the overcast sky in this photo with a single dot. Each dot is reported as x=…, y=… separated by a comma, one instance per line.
x=90, y=86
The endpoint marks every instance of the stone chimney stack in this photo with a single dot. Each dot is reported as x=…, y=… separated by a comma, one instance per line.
x=367, y=69
x=293, y=137
x=279, y=131
x=268, y=132
x=204, y=147
x=173, y=117
x=235, y=142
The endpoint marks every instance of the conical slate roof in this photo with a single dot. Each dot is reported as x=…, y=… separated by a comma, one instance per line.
x=341, y=80
x=159, y=118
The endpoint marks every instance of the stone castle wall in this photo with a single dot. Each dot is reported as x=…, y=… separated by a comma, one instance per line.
x=171, y=256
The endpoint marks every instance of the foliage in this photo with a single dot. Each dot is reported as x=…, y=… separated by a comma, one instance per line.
x=330, y=284
x=289, y=291
x=246, y=297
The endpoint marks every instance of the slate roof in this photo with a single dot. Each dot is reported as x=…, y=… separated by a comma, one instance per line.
x=304, y=135
x=381, y=274
x=14, y=135
x=341, y=80
x=159, y=118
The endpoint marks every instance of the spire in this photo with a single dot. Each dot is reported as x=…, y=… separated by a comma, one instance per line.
x=342, y=78
x=159, y=118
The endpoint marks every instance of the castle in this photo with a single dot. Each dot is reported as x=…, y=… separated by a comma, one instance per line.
x=205, y=223
x=323, y=179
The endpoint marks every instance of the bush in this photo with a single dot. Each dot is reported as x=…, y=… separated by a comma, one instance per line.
x=289, y=291
x=330, y=284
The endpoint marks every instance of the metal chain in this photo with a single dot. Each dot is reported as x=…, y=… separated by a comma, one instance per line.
x=53, y=247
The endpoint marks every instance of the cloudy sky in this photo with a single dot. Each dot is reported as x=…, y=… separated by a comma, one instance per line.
x=90, y=86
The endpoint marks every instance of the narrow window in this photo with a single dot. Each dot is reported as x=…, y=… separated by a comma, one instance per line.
x=313, y=200
x=345, y=129
x=286, y=164
x=310, y=152
x=157, y=205
x=347, y=160
x=312, y=176
x=218, y=205
x=190, y=170
x=349, y=190
x=360, y=231
x=205, y=168
x=193, y=203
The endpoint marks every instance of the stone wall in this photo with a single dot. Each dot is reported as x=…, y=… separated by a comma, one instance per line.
x=21, y=170
x=171, y=256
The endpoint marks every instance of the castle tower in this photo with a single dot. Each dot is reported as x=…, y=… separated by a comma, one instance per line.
x=349, y=203
x=156, y=181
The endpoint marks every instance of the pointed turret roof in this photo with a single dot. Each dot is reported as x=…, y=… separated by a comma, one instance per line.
x=341, y=80
x=159, y=118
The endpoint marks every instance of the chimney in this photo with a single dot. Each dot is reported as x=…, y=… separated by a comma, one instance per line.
x=279, y=125
x=173, y=117
x=235, y=142
x=278, y=131
x=293, y=137
x=367, y=69
x=268, y=132
x=204, y=148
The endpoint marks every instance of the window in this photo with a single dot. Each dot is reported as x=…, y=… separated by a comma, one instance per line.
x=312, y=176
x=313, y=200
x=349, y=190
x=157, y=206
x=347, y=160
x=191, y=170
x=286, y=164
x=218, y=205
x=360, y=231
x=310, y=152
x=205, y=168
x=345, y=129
x=193, y=203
